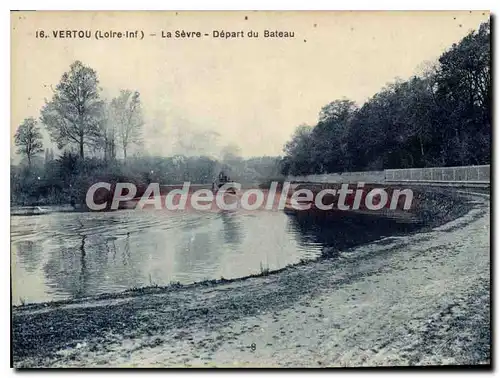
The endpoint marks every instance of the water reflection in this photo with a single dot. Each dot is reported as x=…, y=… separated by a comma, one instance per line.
x=66, y=255
x=343, y=230
x=231, y=227
x=29, y=254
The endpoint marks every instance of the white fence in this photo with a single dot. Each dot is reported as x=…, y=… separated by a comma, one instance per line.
x=475, y=174
x=470, y=174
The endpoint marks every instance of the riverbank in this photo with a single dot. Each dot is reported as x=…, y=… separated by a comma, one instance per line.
x=417, y=299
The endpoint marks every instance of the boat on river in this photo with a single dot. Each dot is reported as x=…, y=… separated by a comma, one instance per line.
x=221, y=181
x=30, y=210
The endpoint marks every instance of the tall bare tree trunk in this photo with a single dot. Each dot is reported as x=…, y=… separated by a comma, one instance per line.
x=81, y=147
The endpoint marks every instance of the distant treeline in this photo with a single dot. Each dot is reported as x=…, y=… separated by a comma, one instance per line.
x=442, y=118
x=66, y=179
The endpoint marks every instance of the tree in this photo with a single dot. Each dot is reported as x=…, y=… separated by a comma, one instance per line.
x=105, y=138
x=463, y=94
x=330, y=135
x=299, y=153
x=337, y=111
x=28, y=139
x=74, y=114
x=127, y=115
x=442, y=118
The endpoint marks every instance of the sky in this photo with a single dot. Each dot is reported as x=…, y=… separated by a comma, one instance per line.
x=200, y=95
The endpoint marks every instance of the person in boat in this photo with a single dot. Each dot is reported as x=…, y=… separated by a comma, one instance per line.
x=223, y=179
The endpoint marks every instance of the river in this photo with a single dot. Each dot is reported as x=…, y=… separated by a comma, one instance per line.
x=62, y=255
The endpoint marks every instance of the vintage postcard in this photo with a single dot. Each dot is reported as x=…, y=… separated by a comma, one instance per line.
x=250, y=189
